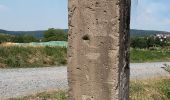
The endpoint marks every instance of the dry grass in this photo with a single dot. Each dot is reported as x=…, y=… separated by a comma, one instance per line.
x=49, y=95
x=154, y=89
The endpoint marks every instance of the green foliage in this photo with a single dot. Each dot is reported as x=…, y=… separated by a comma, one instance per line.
x=139, y=42
x=148, y=42
x=24, y=39
x=59, y=55
x=55, y=35
x=17, y=39
x=18, y=56
x=5, y=38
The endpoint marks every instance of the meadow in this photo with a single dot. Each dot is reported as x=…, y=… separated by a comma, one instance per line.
x=24, y=57
x=146, y=55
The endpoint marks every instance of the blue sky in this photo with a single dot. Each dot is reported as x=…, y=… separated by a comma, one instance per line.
x=33, y=14
x=151, y=14
x=43, y=14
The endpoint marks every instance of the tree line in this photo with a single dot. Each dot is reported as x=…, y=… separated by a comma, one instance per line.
x=149, y=42
x=49, y=35
x=53, y=34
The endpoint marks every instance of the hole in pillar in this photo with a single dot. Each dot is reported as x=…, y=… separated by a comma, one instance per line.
x=105, y=12
x=86, y=37
x=97, y=4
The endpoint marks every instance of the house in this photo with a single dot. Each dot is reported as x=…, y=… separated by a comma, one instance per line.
x=163, y=35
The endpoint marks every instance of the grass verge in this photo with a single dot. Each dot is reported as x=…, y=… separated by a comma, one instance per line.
x=54, y=95
x=17, y=56
x=143, y=55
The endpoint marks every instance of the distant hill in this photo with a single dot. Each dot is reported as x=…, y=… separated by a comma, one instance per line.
x=134, y=32
x=39, y=34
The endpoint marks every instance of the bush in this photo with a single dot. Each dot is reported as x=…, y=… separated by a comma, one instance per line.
x=139, y=43
x=148, y=42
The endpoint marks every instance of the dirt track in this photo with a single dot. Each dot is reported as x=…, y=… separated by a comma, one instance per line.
x=21, y=82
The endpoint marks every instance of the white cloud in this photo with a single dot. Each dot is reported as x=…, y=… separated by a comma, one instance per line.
x=150, y=15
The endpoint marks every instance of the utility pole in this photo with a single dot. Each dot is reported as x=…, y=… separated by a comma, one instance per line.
x=98, y=49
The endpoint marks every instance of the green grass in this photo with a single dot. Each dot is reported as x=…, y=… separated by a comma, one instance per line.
x=54, y=95
x=144, y=55
x=17, y=56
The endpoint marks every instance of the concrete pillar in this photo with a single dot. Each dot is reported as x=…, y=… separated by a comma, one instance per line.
x=98, y=52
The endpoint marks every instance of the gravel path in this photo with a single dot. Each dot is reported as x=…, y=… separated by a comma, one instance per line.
x=148, y=70
x=21, y=82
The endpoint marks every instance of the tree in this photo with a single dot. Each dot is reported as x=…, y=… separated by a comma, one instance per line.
x=5, y=38
x=24, y=39
x=55, y=35
x=139, y=42
x=150, y=42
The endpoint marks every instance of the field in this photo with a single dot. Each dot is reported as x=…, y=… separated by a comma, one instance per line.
x=145, y=55
x=19, y=56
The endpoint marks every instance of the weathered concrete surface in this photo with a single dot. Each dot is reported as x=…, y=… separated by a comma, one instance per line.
x=98, y=54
